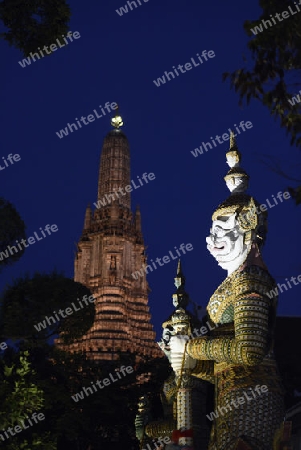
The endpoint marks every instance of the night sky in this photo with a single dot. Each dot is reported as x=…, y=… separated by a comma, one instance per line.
x=116, y=59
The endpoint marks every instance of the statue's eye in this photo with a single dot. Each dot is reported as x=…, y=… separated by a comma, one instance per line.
x=219, y=232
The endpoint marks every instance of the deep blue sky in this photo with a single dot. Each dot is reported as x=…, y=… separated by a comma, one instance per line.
x=116, y=60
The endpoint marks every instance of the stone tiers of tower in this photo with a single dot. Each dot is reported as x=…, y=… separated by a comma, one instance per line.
x=110, y=249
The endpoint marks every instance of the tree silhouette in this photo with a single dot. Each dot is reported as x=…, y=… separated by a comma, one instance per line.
x=34, y=23
x=12, y=228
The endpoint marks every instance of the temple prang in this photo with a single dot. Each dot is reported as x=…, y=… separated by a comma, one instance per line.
x=109, y=250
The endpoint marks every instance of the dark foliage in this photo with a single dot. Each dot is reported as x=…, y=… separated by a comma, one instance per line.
x=30, y=300
x=273, y=75
x=12, y=228
x=34, y=23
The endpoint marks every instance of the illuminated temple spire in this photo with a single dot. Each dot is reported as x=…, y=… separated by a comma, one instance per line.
x=114, y=171
x=109, y=255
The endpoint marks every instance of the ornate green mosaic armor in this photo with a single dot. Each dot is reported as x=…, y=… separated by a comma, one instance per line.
x=238, y=359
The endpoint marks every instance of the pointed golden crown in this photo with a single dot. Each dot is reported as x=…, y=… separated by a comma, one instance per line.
x=239, y=202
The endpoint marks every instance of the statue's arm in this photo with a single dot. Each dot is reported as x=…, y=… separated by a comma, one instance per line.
x=249, y=346
x=160, y=428
x=204, y=370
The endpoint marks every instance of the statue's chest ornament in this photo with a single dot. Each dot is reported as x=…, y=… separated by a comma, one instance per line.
x=222, y=299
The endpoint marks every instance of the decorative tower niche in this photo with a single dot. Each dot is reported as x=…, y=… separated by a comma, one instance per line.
x=110, y=249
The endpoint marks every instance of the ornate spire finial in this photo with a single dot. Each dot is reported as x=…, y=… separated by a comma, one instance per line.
x=233, y=144
x=180, y=318
x=116, y=121
x=88, y=218
x=236, y=178
x=179, y=268
x=137, y=219
x=180, y=298
x=180, y=279
x=233, y=155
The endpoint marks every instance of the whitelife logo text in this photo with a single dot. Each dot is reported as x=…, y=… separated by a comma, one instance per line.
x=68, y=311
x=36, y=417
x=166, y=259
x=53, y=48
x=221, y=139
x=221, y=410
x=30, y=241
x=85, y=120
x=284, y=14
x=106, y=382
x=124, y=9
x=11, y=158
x=187, y=66
x=111, y=197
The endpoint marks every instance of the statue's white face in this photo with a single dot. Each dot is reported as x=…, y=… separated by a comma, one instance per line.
x=164, y=343
x=232, y=160
x=237, y=184
x=226, y=243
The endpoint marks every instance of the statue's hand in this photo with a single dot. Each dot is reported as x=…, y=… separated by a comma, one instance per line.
x=177, y=347
x=140, y=421
x=165, y=349
x=177, y=343
x=139, y=433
